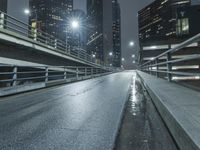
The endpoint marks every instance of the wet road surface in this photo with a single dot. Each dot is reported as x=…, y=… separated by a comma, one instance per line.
x=79, y=116
x=142, y=128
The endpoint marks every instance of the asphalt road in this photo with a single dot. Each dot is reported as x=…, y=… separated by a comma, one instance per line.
x=79, y=116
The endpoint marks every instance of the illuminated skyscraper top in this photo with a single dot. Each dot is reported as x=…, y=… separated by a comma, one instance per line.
x=51, y=16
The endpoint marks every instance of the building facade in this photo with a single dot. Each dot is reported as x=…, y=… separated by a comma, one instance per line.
x=99, y=16
x=95, y=28
x=3, y=5
x=116, y=34
x=165, y=23
x=51, y=16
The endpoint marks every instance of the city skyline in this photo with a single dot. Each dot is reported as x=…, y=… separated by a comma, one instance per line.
x=109, y=75
x=129, y=29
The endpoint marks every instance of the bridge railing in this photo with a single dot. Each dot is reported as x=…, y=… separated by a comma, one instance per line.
x=12, y=76
x=10, y=23
x=179, y=63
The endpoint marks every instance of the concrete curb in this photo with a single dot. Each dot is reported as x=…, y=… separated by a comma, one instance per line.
x=121, y=118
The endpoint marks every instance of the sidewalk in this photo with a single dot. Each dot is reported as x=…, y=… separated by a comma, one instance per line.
x=179, y=107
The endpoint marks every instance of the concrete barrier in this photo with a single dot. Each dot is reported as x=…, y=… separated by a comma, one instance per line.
x=21, y=88
x=178, y=107
x=34, y=86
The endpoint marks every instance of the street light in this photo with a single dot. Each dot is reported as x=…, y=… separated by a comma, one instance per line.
x=27, y=11
x=123, y=59
x=31, y=12
x=110, y=54
x=75, y=24
x=132, y=43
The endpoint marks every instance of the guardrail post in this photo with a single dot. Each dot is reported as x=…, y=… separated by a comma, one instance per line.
x=150, y=69
x=77, y=73
x=55, y=43
x=157, y=68
x=65, y=74
x=85, y=71
x=46, y=74
x=169, y=67
x=2, y=17
x=35, y=34
x=14, y=83
x=47, y=40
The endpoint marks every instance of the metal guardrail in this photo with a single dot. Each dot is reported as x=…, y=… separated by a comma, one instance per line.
x=12, y=76
x=164, y=63
x=10, y=23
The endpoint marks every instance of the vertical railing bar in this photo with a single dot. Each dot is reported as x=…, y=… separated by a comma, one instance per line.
x=169, y=67
x=46, y=74
x=15, y=69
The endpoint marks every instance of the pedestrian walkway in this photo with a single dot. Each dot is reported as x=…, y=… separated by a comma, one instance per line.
x=179, y=107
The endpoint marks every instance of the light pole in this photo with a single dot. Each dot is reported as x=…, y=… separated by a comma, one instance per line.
x=28, y=12
x=110, y=58
x=75, y=25
x=33, y=27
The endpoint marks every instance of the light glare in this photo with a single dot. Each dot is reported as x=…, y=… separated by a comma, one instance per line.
x=132, y=43
x=75, y=24
x=27, y=11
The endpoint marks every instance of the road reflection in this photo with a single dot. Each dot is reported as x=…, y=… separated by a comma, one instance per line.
x=142, y=128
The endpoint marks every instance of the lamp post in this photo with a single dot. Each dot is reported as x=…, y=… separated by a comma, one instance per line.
x=110, y=60
x=28, y=12
x=75, y=25
x=33, y=29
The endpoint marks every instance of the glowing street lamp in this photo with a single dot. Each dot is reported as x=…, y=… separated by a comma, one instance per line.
x=123, y=59
x=27, y=11
x=132, y=43
x=75, y=24
x=110, y=54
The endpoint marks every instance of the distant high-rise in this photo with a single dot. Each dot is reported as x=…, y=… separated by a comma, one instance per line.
x=99, y=16
x=116, y=34
x=3, y=5
x=165, y=23
x=51, y=16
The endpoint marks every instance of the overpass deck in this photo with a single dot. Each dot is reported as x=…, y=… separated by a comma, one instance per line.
x=82, y=115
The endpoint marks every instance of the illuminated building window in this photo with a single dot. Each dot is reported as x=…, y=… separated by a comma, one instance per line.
x=182, y=26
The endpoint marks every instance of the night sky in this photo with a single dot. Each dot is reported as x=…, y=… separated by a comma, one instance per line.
x=129, y=9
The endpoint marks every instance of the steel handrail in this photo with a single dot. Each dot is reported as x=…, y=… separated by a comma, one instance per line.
x=17, y=26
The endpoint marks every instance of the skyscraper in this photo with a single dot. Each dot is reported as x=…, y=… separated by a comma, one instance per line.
x=99, y=16
x=165, y=23
x=51, y=16
x=3, y=5
x=116, y=34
